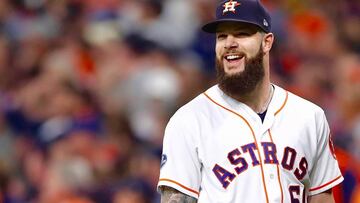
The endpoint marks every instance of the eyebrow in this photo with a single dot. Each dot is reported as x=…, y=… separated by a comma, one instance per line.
x=250, y=30
x=237, y=29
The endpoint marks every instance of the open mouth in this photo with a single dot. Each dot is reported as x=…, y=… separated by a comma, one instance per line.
x=233, y=57
x=234, y=62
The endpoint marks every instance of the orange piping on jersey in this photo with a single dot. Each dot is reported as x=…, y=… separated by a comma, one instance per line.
x=253, y=134
x=317, y=188
x=186, y=188
x=282, y=106
x=278, y=172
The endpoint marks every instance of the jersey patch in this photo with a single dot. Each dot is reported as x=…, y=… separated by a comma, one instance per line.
x=163, y=160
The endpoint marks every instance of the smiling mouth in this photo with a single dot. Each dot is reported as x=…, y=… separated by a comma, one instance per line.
x=233, y=57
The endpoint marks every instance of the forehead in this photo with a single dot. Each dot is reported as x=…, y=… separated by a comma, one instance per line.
x=236, y=26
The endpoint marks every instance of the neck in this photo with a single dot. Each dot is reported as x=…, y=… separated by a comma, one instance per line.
x=259, y=99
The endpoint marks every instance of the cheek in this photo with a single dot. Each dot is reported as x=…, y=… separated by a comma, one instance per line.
x=218, y=51
x=254, y=49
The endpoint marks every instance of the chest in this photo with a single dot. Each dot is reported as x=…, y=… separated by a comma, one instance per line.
x=237, y=146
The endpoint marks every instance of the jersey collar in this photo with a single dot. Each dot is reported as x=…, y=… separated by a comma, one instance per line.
x=277, y=103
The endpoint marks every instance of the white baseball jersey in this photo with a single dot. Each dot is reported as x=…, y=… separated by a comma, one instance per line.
x=217, y=149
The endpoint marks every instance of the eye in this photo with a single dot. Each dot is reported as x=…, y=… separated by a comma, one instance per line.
x=242, y=34
x=221, y=36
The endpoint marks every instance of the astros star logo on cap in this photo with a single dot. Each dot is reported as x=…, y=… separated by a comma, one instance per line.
x=230, y=6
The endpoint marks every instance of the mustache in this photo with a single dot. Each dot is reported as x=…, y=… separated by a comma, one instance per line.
x=234, y=52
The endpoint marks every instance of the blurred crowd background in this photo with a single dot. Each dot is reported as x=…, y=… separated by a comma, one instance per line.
x=87, y=87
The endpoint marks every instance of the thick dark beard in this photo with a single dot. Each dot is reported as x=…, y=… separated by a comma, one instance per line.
x=241, y=84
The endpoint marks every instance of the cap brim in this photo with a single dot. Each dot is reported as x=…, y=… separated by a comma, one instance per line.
x=212, y=26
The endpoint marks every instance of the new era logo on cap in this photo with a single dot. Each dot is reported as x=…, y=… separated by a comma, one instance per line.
x=230, y=6
x=240, y=11
x=266, y=23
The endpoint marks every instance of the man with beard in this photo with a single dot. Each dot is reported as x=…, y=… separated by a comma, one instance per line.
x=246, y=139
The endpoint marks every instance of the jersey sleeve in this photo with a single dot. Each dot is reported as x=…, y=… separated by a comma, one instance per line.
x=180, y=166
x=325, y=173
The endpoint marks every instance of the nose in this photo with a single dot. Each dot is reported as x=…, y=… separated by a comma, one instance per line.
x=230, y=42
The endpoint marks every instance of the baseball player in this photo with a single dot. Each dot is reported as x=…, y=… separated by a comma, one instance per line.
x=246, y=139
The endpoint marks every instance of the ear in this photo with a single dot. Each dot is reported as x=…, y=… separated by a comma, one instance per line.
x=268, y=41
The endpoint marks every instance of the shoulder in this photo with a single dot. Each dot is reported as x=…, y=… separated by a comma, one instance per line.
x=297, y=109
x=186, y=125
x=301, y=105
x=189, y=116
x=190, y=110
x=197, y=108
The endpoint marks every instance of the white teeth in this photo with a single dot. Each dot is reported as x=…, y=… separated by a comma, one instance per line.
x=232, y=57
